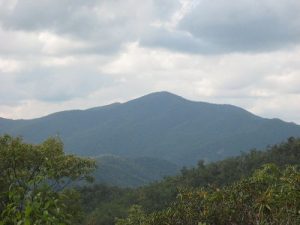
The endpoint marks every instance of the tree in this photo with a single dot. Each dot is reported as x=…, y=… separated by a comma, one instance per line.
x=34, y=181
x=270, y=196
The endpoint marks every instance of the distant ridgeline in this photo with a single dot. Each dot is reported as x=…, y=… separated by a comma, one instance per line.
x=159, y=125
x=126, y=172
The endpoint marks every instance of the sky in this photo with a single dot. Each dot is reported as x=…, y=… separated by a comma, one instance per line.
x=75, y=54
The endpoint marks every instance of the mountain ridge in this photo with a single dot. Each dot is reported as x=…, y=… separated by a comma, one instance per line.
x=158, y=125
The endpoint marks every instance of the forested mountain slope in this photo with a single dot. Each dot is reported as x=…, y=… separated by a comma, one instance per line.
x=158, y=125
x=127, y=172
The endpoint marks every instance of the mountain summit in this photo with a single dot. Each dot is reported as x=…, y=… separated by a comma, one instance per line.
x=159, y=125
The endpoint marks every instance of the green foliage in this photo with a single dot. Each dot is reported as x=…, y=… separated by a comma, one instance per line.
x=33, y=181
x=136, y=217
x=269, y=196
x=107, y=202
x=227, y=171
x=103, y=204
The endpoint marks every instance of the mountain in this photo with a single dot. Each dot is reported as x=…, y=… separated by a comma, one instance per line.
x=126, y=172
x=158, y=125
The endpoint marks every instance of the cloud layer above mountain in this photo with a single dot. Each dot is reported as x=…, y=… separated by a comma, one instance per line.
x=64, y=54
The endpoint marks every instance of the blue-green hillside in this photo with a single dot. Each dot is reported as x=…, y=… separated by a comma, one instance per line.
x=159, y=125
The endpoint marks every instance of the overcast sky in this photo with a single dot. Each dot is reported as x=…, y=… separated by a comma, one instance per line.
x=75, y=54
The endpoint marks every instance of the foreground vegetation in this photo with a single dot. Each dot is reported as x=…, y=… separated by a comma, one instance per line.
x=260, y=187
x=103, y=204
x=270, y=196
x=34, y=181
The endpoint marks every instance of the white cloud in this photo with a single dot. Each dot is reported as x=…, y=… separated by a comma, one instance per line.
x=9, y=66
x=246, y=80
x=56, y=45
x=80, y=54
x=18, y=43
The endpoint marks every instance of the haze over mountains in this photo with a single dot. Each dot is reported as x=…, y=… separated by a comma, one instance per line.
x=127, y=172
x=159, y=125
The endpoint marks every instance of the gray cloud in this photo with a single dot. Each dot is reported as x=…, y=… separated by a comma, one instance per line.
x=104, y=24
x=64, y=54
x=89, y=21
x=208, y=27
x=247, y=25
x=52, y=83
x=214, y=27
x=177, y=41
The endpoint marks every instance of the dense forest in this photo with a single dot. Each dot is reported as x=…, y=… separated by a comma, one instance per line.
x=39, y=185
x=104, y=204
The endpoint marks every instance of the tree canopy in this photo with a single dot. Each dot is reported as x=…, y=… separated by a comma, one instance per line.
x=102, y=204
x=34, y=181
x=269, y=196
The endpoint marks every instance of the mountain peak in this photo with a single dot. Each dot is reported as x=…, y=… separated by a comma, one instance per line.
x=162, y=94
x=160, y=124
x=158, y=98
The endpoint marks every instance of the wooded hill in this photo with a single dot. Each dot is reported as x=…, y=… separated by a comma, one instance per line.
x=229, y=185
x=159, y=125
x=260, y=187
